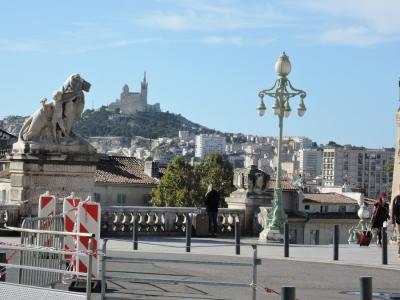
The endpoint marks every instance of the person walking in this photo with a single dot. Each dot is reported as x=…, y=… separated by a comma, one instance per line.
x=379, y=216
x=212, y=203
x=395, y=209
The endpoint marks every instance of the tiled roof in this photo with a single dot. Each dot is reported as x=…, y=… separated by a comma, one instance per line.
x=7, y=133
x=5, y=174
x=285, y=185
x=328, y=198
x=122, y=170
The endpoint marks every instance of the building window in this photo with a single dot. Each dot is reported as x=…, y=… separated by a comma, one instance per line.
x=97, y=197
x=324, y=208
x=342, y=208
x=307, y=207
x=121, y=199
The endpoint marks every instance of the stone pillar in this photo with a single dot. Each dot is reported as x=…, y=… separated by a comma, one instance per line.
x=250, y=203
x=396, y=169
x=251, y=193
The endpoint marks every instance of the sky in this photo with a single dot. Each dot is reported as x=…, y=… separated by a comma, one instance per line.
x=208, y=59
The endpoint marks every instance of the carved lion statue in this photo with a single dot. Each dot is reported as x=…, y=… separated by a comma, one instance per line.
x=73, y=99
x=55, y=119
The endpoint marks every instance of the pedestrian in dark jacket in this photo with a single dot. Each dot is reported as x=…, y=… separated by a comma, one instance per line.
x=212, y=203
x=395, y=209
x=380, y=215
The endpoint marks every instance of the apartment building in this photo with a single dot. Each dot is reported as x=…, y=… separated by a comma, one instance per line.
x=206, y=144
x=359, y=167
x=310, y=163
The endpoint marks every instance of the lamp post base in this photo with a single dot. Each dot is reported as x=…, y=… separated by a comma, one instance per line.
x=271, y=235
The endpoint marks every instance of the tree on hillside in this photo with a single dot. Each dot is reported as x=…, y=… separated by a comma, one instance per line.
x=216, y=170
x=178, y=187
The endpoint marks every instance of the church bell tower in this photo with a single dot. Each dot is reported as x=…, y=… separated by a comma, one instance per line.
x=143, y=91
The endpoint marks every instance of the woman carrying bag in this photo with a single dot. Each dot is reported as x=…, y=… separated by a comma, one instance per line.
x=379, y=216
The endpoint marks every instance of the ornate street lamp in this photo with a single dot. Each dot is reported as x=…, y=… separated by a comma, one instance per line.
x=282, y=92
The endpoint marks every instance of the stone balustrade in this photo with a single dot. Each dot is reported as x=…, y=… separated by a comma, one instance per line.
x=119, y=220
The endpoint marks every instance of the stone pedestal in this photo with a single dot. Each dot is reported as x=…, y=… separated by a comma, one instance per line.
x=251, y=193
x=59, y=169
x=250, y=202
x=271, y=235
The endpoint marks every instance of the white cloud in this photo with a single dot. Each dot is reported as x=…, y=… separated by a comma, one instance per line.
x=9, y=45
x=220, y=40
x=351, y=36
x=360, y=23
x=220, y=15
x=235, y=41
x=380, y=16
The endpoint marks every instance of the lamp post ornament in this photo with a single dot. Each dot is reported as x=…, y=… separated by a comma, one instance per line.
x=282, y=91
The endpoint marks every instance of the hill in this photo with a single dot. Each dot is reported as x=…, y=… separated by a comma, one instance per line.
x=102, y=122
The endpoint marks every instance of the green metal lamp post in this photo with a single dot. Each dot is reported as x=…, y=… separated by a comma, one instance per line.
x=282, y=92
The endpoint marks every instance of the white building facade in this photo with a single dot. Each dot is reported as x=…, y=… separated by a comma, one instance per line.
x=206, y=144
x=310, y=163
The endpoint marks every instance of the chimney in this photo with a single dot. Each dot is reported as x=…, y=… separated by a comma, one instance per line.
x=151, y=168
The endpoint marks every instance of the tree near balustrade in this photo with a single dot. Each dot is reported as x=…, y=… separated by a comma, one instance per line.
x=184, y=185
x=218, y=171
x=178, y=187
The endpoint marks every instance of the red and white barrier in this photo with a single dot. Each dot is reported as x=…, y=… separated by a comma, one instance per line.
x=89, y=221
x=47, y=205
x=70, y=212
x=46, y=208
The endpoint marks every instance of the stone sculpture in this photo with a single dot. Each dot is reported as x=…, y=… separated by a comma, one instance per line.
x=38, y=124
x=53, y=121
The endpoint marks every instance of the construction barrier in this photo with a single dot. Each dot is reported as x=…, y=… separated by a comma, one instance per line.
x=47, y=206
x=70, y=212
x=89, y=221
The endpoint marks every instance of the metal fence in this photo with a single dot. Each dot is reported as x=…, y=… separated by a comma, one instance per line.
x=43, y=258
x=36, y=277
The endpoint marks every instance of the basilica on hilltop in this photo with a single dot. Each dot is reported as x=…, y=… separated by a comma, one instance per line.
x=131, y=102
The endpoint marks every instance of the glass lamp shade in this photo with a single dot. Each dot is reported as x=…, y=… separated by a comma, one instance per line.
x=261, y=108
x=302, y=108
x=276, y=108
x=287, y=111
x=282, y=65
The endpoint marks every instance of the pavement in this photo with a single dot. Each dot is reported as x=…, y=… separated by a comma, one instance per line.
x=353, y=255
x=311, y=269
